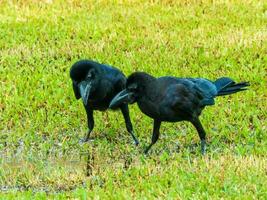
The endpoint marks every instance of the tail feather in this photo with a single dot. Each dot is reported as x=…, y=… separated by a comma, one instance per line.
x=223, y=82
x=222, y=93
x=235, y=86
x=226, y=86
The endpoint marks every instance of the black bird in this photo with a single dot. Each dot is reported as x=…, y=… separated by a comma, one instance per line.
x=174, y=99
x=97, y=84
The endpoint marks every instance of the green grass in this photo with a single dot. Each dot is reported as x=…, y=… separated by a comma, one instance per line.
x=41, y=122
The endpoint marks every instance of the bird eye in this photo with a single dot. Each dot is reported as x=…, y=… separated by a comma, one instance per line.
x=132, y=87
x=90, y=75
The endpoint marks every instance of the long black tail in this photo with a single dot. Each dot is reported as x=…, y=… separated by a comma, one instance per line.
x=227, y=86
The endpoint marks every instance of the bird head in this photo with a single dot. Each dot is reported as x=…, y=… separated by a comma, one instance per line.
x=85, y=78
x=135, y=88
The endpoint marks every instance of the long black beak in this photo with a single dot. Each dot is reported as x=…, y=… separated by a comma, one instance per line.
x=121, y=97
x=85, y=88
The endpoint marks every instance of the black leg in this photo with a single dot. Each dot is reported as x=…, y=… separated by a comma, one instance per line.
x=90, y=121
x=125, y=111
x=201, y=133
x=155, y=135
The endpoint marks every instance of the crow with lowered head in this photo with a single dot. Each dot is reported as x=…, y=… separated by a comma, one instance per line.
x=97, y=84
x=174, y=99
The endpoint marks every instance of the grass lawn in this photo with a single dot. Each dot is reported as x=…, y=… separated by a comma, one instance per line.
x=41, y=122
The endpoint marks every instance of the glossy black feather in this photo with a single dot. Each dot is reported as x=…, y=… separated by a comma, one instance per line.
x=174, y=99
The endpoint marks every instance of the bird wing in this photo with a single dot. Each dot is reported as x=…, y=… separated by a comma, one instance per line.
x=206, y=89
x=188, y=95
x=180, y=102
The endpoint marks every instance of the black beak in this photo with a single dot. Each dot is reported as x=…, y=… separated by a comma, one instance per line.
x=122, y=97
x=85, y=88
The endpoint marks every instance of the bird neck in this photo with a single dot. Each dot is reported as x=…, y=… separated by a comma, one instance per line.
x=149, y=91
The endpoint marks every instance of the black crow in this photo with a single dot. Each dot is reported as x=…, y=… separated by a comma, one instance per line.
x=174, y=99
x=97, y=84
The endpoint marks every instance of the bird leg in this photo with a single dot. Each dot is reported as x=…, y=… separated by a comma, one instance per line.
x=125, y=112
x=90, y=121
x=155, y=135
x=201, y=133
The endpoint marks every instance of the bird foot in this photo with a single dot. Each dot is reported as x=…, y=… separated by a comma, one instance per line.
x=84, y=140
x=146, y=151
x=136, y=142
x=203, y=147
